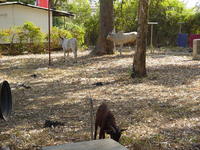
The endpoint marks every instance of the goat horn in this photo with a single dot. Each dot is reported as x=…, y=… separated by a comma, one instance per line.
x=60, y=36
x=123, y=130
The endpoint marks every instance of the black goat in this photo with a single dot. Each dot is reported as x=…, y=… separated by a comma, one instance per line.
x=106, y=121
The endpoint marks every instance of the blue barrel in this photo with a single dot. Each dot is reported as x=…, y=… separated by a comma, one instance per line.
x=182, y=40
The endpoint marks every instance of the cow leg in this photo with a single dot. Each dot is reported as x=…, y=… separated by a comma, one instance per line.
x=114, y=46
x=64, y=55
x=75, y=54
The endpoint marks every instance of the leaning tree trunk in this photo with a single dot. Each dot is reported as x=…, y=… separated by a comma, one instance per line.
x=105, y=46
x=139, y=63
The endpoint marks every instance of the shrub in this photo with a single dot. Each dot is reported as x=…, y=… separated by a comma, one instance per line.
x=27, y=37
x=55, y=33
x=32, y=35
x=77, y=31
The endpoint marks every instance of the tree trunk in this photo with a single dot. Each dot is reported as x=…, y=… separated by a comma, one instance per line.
x=139, y=63
x=105, y=46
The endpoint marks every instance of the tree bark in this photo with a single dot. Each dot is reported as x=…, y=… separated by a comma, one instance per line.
x=105, y=46
x=139, y=62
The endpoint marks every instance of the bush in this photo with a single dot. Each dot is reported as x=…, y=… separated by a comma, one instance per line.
x=29, y=38
x=26, y=38
x=76, y=31
x=9, y=37
x=55, y=33
x=92, y=29
x=32, y=35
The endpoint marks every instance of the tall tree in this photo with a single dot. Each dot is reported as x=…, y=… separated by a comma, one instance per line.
x=139, y=62
x=105, y=46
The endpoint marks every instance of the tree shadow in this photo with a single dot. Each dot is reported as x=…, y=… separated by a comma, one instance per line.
x=173, y=75
x=168, y=138
x=51, y=100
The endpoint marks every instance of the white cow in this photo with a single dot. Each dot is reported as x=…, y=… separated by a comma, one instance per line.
x=121, y=38
x=69, y=45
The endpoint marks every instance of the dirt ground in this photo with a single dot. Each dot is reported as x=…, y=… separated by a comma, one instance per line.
x=161, y=111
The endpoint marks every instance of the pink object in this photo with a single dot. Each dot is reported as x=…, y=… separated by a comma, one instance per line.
x=192, y=37
x=42, y=3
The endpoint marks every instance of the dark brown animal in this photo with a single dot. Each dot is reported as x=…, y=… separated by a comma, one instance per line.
x=106, y=121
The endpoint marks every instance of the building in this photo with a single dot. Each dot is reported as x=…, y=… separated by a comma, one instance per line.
x=17, y=13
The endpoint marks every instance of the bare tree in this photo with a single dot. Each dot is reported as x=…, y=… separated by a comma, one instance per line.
x=139, y=62
x=105, y=46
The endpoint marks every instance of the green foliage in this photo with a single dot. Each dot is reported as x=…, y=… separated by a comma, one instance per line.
x=168, y=13
x=77, y=31
x=84, y=26
x=31, y=34
x=193, y=24
x=81, y=9
x=125, y=15
x=77, y=25
x=55, y=34
x=27, y=38
x=92, y=30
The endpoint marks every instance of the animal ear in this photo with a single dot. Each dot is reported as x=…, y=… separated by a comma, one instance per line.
x=122, y=130
x=60, y=36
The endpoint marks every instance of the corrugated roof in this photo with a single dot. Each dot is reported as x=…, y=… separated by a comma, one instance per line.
x=55, y=12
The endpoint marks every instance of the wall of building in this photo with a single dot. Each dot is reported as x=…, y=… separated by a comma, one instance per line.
x=6, y=16
x=17, y=15
x=37, y=16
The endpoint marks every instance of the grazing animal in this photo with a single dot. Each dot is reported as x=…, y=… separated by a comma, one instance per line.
x=106, y=121
x=121, y=38
x=69, y=45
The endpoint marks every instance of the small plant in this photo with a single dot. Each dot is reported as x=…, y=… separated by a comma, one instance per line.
x=19, y=39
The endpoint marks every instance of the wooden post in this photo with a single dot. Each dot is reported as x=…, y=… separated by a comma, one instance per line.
x=151, y=40
x=49, y=33
x=151, y=35
x=91, y=118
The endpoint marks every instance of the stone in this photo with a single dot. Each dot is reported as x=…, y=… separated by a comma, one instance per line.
x=196, y=49
x=103, y=144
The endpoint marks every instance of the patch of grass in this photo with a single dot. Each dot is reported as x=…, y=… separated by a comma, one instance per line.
x=125, y=140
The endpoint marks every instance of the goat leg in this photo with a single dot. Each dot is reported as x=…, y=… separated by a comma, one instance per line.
x=75, y=55
x=64, y=55
x=121, y=49
x=68, y=53
x=102, y=134
x=95, y=132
